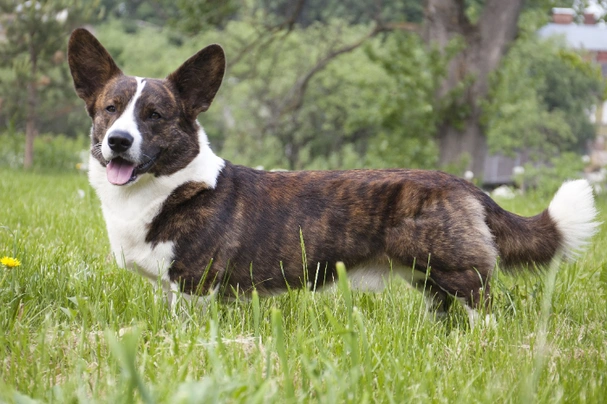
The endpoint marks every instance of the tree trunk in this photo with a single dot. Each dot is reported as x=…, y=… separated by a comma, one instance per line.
x=31, y=129
x=30, y=126
x=468, y=145
x=484, y=44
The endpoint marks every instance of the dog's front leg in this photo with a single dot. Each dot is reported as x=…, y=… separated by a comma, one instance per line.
x=179, y=301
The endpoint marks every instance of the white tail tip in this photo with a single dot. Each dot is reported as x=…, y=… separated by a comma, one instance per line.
x=574, y=213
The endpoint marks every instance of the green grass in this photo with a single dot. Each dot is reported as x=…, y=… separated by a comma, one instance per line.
x=75, y=328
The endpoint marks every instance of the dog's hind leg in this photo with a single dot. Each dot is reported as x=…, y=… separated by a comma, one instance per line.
x=471, y=287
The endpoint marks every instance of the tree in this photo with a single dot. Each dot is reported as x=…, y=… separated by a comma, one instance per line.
x=483, y=29
x=287, y=102
x=289, y=95
x=266, y=41
x=36, y=33
x=484, y=34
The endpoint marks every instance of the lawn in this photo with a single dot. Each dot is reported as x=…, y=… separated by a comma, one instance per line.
x=75, y=328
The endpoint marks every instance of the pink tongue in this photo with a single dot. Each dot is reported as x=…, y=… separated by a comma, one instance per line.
x=119, y=171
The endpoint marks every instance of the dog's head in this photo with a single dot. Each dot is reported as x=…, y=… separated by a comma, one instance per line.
x=143, y=125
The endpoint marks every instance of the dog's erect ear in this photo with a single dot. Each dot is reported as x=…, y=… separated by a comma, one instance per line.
x=199, y=78
x=91, y=66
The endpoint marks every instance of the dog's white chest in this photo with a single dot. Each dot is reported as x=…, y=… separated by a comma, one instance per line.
x=127, y=232
x=128, y=213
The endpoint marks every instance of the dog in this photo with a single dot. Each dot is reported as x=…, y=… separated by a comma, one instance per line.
x=197, y=224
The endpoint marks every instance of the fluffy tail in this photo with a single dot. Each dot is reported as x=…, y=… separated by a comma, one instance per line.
x=574, y=213
x=562, y=230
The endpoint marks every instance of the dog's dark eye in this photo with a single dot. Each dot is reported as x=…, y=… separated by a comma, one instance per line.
x=110, y=108
x=155, y=115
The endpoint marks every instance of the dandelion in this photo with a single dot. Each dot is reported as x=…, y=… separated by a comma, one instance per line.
x=9, y=262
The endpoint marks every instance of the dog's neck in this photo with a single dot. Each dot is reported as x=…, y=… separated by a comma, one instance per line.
x=205, y=168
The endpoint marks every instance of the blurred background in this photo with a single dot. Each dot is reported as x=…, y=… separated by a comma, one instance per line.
x=499, y=92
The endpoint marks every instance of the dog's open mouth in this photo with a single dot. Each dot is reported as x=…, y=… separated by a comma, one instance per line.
x=121, y=172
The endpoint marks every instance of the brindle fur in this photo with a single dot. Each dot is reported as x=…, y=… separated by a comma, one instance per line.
x=247, y=233
x=254, y=228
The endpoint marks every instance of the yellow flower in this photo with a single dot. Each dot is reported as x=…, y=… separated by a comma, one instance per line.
x=9, y=262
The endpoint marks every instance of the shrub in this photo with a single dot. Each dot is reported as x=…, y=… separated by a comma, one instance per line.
x=51, y=152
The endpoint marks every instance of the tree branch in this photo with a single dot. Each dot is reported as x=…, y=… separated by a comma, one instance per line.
x=266, y=36
x=297, y=92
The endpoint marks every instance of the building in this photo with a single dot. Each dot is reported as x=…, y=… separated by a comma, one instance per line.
x=589, y=36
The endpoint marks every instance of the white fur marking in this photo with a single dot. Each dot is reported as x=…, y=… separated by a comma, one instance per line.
x=573, y=210
x=474, y=316
x=179, y=301
x=373, y=278
x=368, y=279
x=127, y=122
x=204, y=168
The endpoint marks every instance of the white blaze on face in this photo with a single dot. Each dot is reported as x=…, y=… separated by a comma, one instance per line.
x=127, y=122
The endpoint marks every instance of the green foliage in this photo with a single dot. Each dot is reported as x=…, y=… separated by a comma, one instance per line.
x=53, y=152
x=155, y=12
x=146, y=50
x=196, y=16
x=540, y=100
x=346, y=118
x=546, y=178
x=369, y=107
x=262, y=98
x=407, y=110
x=352, y=11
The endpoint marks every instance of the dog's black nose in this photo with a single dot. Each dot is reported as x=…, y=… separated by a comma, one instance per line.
x=120, y=141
